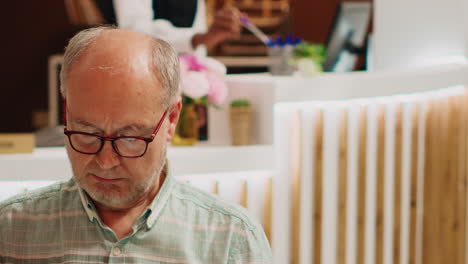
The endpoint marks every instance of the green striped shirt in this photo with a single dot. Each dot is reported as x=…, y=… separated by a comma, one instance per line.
x=58, y=224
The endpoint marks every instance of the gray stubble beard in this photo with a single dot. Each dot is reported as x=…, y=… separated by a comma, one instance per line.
x=132, y=196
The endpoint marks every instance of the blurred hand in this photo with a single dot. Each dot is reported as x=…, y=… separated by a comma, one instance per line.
x=226, y=26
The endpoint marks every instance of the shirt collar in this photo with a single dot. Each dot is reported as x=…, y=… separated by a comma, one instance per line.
x=159, y=201
x=87, y=205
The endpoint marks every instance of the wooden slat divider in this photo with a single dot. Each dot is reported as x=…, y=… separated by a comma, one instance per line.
x=362, y=186
x=295, y=162
x=244, y=194
x=414, y=183
x=437, y=209
x=462, y=177
x=446, y=180
x=343, y=188
x=398, y=183
x=318, y=193
x=432, y=225
x=380, y=184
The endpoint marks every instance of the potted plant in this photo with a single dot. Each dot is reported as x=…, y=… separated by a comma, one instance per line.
x=309, y=58
x=240, y=113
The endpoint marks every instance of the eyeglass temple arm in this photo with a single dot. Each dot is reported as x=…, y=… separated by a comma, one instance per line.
x=156, y=129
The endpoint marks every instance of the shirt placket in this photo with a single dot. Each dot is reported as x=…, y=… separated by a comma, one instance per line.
x=117, y=252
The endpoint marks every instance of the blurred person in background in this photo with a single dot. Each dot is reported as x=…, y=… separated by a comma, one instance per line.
x=182, y=23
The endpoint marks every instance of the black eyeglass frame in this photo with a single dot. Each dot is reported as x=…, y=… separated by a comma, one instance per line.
x=69, y=133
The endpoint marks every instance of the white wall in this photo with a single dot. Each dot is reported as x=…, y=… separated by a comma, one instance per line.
x=465, y=24
x=265, y=90
x=52, y=164
x=414, y=33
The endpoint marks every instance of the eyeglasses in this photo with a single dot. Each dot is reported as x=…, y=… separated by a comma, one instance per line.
x=125, y=146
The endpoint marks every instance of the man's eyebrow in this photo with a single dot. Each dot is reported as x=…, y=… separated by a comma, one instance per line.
x=85, y=123
x=135, y=127
x=129, y=127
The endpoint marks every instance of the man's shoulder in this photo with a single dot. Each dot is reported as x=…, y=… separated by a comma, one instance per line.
x=211, y=205
x=204, y=212
x=40, y=199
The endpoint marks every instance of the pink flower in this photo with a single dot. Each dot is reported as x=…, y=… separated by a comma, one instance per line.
x=203, y=78
x=195, y=84
x=218, y=90
x=184, y=67
x=193, y=62
x=214, y=65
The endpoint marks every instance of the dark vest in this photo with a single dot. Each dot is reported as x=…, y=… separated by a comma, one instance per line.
x=181, y=13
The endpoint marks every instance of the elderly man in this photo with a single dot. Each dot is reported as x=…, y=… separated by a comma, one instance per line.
x=122, y=106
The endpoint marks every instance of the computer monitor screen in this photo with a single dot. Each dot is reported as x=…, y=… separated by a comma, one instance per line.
x=347, y=36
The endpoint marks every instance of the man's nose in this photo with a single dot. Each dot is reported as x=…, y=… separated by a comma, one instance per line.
x=107, y=158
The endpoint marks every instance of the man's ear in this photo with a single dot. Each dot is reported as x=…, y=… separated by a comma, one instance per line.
x=174, y=113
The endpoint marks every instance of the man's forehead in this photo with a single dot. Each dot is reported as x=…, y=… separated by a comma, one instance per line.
x=115, y=52
x=125, y=41
x=136, y=66
x=113, y=83
x=110, y=69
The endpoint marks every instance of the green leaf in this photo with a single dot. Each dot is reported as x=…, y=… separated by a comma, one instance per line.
x=240, y=102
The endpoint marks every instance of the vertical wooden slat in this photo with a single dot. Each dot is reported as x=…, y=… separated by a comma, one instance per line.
x=435, y=184
x=216, y=188
x=295, y=161
x=436, y=188
x=450, y=135
x=464, y=176
x=343, y=188
x=424, y=134
x=450, y=189
x=414, y=184
x=406, y=154
x=354, y=114
x=307, y=181
x=330, y=183
x=244, y=194
x=397, y=204
x=317, y=245
x=430, y=155
x=457, y=166
x=362, y=186
x=380, y=184
x=461, y=177
x=455, y=226
x=458, y=154
x=447, y=209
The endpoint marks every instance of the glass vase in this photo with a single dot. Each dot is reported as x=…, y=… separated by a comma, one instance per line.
x=186, y=133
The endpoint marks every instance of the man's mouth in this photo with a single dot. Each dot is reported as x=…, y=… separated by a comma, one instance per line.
x=106, y=180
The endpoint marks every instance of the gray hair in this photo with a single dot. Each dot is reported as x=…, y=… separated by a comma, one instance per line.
x=165, y=61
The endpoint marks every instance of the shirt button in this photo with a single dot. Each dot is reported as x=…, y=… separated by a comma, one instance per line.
x=116, y=251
